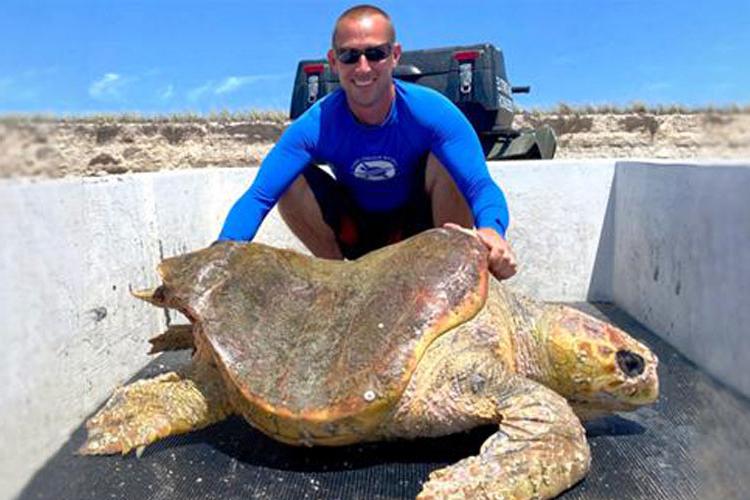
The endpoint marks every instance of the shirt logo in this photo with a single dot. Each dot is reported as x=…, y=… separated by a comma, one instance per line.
x=378, y=168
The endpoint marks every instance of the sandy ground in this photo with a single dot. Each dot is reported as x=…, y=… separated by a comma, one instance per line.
x=48, y=147
x=649, y=135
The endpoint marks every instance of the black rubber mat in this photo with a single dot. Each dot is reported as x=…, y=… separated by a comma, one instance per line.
x=694, y=443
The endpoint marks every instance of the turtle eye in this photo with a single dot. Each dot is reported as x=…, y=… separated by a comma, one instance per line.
x=630, y=363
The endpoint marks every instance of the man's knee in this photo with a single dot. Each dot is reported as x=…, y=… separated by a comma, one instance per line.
x=300, y=211
x=295, y=196
x=435, y=173
x=448, y=203
x=437, y=178
x=295, y=189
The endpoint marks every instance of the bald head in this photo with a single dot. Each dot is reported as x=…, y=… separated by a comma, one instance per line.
x=360, y=12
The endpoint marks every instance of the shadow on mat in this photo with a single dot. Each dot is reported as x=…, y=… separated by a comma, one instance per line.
x=614, y=425
x=235, y=439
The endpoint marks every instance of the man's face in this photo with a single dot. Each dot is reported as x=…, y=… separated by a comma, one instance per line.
x=367, y=84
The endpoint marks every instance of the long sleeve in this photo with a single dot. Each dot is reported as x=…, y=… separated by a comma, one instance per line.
x=457, y=147
x=282, y=165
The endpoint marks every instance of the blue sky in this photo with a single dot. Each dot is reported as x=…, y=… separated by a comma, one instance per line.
x=163, y=56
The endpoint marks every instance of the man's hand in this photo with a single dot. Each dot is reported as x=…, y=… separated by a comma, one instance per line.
x=502, y=262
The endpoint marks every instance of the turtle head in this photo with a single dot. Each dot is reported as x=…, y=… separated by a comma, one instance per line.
x=599, y=368
x=185, y=278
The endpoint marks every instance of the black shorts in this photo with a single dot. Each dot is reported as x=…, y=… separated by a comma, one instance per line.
x=358, y=231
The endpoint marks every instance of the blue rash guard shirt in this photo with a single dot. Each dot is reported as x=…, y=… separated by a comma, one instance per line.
x=376, y=163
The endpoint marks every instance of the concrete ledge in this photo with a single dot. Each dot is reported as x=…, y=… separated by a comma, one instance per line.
x=669, y=243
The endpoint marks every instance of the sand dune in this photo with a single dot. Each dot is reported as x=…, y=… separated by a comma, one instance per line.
x=49, y=147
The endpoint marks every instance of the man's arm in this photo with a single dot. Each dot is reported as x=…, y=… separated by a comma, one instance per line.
x=282, y=165
x=457, y=147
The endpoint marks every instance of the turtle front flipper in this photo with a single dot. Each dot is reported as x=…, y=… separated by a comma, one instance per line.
x=145, y=411
x=540, y=448
x=539, y=451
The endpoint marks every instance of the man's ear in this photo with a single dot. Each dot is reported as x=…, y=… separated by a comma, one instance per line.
x=396, y=53
x=331, y=55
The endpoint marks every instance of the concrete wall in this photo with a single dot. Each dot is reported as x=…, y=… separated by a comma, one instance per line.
x=72, y=249
x=559, y=213
x=682, y=259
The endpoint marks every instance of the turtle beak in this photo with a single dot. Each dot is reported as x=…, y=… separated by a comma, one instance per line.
x=152, y=295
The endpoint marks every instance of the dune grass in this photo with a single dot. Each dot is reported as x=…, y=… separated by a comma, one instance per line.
x=282, y=117
x=636, y=108
x=223, y=116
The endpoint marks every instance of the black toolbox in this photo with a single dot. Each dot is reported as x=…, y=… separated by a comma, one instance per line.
x=471, y=76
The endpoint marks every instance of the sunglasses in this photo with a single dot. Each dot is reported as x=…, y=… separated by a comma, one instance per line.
x=373, y=54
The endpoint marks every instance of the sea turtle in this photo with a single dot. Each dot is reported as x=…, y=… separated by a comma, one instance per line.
x=408, y=341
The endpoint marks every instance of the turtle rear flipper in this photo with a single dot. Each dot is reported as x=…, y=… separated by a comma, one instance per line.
x=148, y=410
x=539, y=451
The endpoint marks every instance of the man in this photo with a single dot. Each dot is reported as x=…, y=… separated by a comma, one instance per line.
x=405, y=160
